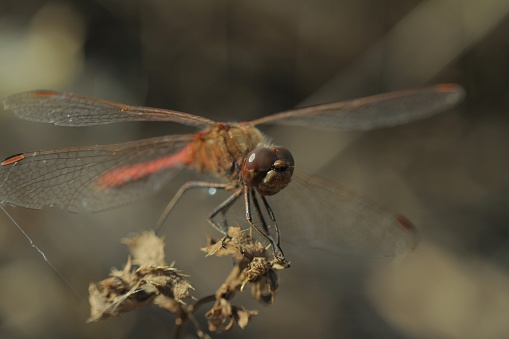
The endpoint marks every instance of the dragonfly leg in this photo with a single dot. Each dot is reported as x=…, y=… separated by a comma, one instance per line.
x=223, y=208
x=180, y=192
x=259, y=212
x=248, y=194
x=272, y=217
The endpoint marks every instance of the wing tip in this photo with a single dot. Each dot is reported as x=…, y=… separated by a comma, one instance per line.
x=411, y=239
x=12, y=159
x=410, y=229
x=455, y=92
x=405, y=223
x=13, y=98
x=43, y=93
x=6, y=104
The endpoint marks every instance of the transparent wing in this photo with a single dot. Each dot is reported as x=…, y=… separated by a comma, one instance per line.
x=376, y=111
x=68, y=109
x=92, y=178
x=324, y=215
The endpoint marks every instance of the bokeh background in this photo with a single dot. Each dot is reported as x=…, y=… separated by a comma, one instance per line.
x=238, y=60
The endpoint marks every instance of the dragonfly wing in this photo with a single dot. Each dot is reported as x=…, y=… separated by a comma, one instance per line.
x=66, y=109
x=92, y=178
x=327, y=216
x=384, y=110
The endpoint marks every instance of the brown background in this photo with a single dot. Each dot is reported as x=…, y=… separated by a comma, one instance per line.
x=237, y=60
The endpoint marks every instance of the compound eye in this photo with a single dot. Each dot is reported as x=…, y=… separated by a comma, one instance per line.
x=283, y=153
x=260, y=160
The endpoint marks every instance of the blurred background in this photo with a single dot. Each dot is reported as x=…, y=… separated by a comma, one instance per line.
x=239, y=60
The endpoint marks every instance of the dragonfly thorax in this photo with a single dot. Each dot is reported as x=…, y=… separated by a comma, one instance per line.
x=221, y=150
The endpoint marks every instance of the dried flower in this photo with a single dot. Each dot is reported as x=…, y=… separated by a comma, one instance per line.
x=154, y=282
x=130, y=289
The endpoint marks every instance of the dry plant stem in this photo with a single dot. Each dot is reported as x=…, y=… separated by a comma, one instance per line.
x=148, y=280
x=186, y=314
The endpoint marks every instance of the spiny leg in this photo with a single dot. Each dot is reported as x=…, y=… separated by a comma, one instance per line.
x=259, y=212
x=278, y=252
x=223, y=209
x=181, y=191
x=272, y=217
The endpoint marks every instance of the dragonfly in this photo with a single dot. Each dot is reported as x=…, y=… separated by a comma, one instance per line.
x=244, y=162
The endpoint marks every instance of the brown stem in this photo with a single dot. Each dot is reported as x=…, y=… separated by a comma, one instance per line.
x=186, y=314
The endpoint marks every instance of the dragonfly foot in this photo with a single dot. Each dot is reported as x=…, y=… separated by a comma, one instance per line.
x=224, y=240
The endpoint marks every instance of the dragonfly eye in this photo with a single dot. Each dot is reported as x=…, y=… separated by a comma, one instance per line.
x=268, y=169
x=258, y=163
x=285, y=157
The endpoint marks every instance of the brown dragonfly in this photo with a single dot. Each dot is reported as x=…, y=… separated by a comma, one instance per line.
x=245, y=162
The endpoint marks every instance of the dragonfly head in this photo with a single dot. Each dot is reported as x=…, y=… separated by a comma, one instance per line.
x=269, y=169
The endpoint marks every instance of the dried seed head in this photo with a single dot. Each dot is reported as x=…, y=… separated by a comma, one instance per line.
x=252, y=266
x=130, y=289
x=153, y=282
x=222, y=316
x=146, y=249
